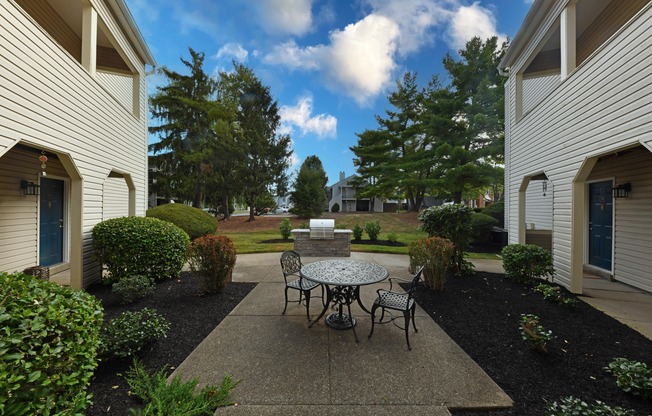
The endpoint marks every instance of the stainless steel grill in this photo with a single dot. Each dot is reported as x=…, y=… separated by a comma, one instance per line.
x=322, y=229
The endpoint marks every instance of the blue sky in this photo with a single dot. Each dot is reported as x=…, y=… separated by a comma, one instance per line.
x=329, y=63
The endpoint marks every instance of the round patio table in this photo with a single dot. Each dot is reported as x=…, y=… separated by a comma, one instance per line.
x=342, y=279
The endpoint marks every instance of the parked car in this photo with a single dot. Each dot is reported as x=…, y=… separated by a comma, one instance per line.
x=282, y=210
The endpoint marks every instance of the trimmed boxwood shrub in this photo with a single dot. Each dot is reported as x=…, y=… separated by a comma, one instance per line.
x=212, y=258
x=372, y=229
x=131, y=288
x=526, y=262
x=194, y=221
x=481, y=226
x=497, y=211
x=48, y=346
x=357, y=232
x=144, y=246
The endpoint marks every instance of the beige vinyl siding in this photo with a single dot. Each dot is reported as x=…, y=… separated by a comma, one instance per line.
x=632, y=215
x=116, y=198
x=606, y=103
x=119, y=85
x=538, y=208
x=537, y=89
x=50, y=100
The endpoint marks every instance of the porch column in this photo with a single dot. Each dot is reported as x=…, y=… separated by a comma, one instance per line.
x=567, y=26
x=89, y=37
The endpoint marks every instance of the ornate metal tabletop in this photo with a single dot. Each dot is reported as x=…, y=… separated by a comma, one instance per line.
x=344, y=272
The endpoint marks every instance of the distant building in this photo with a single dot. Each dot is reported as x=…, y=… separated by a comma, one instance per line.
x=344, y=194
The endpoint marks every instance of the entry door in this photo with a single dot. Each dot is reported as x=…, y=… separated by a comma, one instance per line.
x=51, y=224
x=600, y=224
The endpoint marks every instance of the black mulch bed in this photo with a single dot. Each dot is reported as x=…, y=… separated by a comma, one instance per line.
x=191, y=318
x=481, y=313
x=378, y=243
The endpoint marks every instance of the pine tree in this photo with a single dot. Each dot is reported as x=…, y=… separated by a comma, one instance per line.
x=309, y=195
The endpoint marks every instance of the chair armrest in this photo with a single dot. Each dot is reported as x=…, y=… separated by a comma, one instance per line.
x=392, y=279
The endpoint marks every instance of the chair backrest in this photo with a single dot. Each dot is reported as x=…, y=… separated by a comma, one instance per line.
x=415, y=282
x=290, y=263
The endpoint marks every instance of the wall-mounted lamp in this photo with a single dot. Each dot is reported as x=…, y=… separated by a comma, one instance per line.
x=29, y=188
x=545, y=187
x=621, y=191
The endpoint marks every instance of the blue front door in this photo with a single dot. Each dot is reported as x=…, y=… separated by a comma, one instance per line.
x=51, y=223
x=600, y=224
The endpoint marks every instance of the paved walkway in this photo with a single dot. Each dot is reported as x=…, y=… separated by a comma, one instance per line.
x=288, y=369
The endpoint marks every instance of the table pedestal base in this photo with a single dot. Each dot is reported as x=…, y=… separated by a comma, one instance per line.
x=340, y=320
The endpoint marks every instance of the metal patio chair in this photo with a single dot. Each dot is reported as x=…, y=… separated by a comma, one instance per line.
x=291, y=266
x=397, y=301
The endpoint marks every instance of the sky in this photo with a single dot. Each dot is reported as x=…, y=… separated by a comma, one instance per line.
x=330, y=64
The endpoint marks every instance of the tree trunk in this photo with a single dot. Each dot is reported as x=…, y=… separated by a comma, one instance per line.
x=196, y=202
x=252, y=214
x=457, y=197
x=225, y=207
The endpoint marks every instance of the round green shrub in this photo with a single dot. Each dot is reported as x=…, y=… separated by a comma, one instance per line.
x=48, y=346
x=144, y=246
x=131, y=288
x=212, y=258
x=129, y=332
x=526, y=262
x=335, y=207
x=497, y=211
x=285, y=228
x=194, y=221
x=357, y=232
x=481, y=226
x=373, y=229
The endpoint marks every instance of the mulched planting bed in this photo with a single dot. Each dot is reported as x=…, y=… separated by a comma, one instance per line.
x=192, y=318
x=481, y=313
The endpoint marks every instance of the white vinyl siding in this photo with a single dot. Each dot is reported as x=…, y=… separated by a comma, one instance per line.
x=604, y=105
x=49, y=100
x=537, y=89
x=119, y=85
x=116, y=198
x=538, y=208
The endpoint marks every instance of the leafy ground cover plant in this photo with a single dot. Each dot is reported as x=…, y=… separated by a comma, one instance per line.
x=372, y=228
x=48, y=346
x=140, y=246
x=526, y=262
x=194, y=221
x=129, y=332
x=212, y=258
x=633, y=377
x=554, y=294
x=176, y=397
x=357, y=232
x=534, y=334
x=286, y=229
x=435, y=255
x=571, y=406
x=131, y=288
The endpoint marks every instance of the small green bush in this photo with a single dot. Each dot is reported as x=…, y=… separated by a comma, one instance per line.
x=372, y=228
x=554, y=294
x=435, y=255
x=452, y=222
x=534, y=334
x=176, y=397
x=304, y=226
x=48, y=346
x=357, y=232
x=194, y=221
x=129, y=332
x=286, y=229
x=633, y=377
x=144, y=246
x=497, y=211
x=481, y=226
x=392, y=237
x=335, y=207
x=212, y=258
x=526, y=262
x=570, y=406
x=131, y=288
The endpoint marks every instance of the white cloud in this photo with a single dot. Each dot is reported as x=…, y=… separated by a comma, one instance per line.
x=300, y=115
x=470, y=21
x=233, y=50
x=295, y=161
x=285, y=17
x=358, y=61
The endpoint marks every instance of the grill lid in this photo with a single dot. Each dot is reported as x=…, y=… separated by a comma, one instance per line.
x=322, y=228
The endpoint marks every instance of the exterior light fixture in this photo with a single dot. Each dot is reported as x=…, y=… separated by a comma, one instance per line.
x=29, y=188
x=621, y=191
x=544, y=186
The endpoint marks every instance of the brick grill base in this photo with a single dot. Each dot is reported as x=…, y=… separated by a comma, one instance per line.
x=340, y=246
